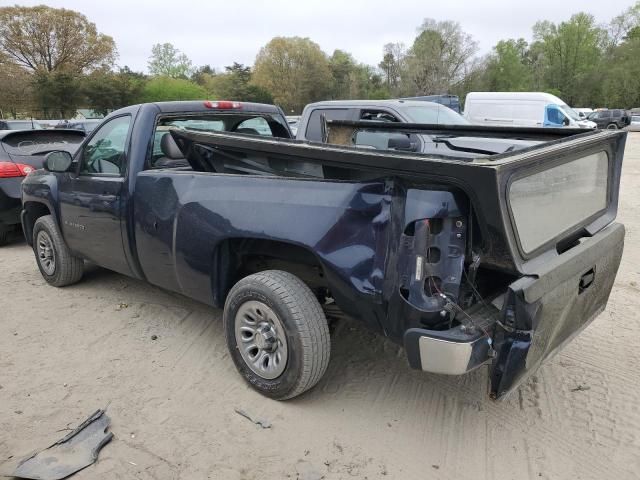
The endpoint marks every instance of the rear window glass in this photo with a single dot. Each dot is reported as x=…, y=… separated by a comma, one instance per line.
x=41, y=142
x=245, y=123
x=198, y=124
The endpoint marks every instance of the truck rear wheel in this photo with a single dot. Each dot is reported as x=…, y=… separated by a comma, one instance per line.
x=56, y=263
x=612, y=126
x=277, y=334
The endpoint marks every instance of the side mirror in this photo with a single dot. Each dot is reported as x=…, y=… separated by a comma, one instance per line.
x=566, y=122
x=400, y=142
x=58, y=161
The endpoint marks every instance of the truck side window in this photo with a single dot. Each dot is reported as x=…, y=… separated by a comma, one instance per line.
x=314, y=132
x=105, y=152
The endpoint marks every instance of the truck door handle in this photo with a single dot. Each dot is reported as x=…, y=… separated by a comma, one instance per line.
x=586, y=280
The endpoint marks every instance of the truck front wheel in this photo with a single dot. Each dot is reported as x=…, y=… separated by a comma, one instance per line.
x=56, y=263
x=277, y=334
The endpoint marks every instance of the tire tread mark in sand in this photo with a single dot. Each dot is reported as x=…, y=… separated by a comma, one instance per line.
x=191, y=340
x=540, y=434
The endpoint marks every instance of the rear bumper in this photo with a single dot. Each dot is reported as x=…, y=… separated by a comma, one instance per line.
x=455, y=351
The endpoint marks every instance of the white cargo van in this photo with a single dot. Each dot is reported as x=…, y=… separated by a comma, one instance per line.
x=521, y=109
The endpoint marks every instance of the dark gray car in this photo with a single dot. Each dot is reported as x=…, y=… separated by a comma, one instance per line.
x=611, y=119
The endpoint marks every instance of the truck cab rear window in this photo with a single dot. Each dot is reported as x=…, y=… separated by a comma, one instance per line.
x=165, y=154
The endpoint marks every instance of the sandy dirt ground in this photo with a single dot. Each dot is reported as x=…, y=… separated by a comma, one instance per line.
x=66, y=352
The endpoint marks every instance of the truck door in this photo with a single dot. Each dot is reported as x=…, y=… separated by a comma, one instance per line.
x=91, y=207
x=554, y=117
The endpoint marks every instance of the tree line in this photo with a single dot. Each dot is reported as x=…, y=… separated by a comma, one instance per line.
x=53, y=61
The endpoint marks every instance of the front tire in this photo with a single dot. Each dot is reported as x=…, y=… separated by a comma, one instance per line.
x=276, y=333
x=612, y=126
x=58, y=266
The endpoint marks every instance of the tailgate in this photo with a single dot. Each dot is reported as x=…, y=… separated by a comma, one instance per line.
x=543, y=311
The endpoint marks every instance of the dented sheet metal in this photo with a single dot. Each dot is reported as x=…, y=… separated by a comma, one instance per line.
x=542, y=313
x=75, y=451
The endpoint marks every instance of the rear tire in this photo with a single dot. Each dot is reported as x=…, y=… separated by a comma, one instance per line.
x=276, y=333
x=612, y=126
x=58, y=266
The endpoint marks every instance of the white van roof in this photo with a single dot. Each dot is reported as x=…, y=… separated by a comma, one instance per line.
x=523, y=96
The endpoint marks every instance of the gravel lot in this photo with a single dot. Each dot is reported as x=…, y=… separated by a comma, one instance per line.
x=66, y=352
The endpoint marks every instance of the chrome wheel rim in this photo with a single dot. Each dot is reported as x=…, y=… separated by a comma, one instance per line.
x=46, y=254
x=261, y=339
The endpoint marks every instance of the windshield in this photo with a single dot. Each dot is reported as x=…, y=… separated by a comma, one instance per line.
x=569, y=112
x=439, y=115
x=635, y=119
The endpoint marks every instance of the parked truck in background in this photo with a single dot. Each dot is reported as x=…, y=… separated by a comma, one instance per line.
x=310, y=127
x=458, y=259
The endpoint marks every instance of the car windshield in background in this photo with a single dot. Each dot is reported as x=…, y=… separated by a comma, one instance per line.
x=439, y=115
x=635, y=119
x=570, y=112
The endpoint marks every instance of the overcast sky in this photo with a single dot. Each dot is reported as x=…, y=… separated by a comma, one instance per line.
x=220, y=32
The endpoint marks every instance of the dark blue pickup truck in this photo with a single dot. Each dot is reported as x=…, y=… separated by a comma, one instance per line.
x=490, y=259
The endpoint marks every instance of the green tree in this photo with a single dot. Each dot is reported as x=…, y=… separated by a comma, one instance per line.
x=201, y=74
x=235, y=84
x=507, y=69
x=621, y=84
x=572, y=51
x=621, y=25
x=438, y=57
x=160, y=89
x=393, y=66
x=106, y=90
x=294, y=70
x=45, y=39
x=342, y=66
x=57, y=94
x=16, y=92
x=166, y=60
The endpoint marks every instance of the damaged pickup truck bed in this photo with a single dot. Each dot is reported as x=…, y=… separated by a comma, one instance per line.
x=491, y=260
